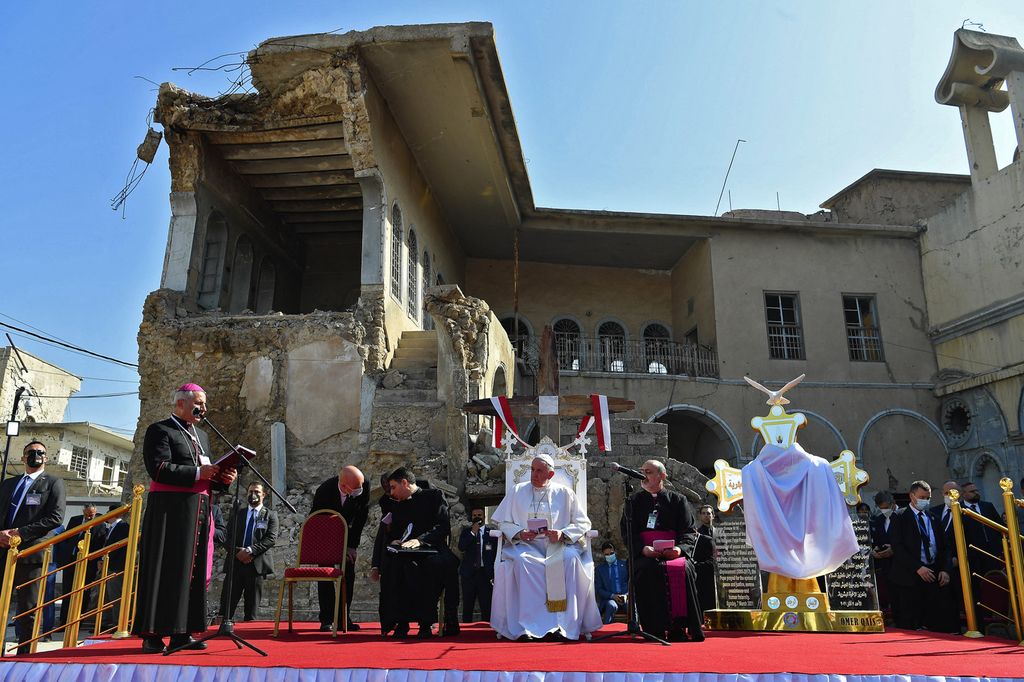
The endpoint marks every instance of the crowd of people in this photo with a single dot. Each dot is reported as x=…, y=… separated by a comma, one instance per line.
x=915, y=557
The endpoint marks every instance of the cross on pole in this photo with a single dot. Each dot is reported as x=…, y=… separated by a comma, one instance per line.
x=528, y=406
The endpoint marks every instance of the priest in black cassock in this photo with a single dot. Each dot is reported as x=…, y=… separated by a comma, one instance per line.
x=665, y=588
x=176, y=549
x=412, y=563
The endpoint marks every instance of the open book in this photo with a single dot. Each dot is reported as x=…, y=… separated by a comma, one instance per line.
x=233, y=458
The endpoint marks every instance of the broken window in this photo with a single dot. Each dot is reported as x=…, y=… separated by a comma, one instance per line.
x=241, y=276
x=863, y=336
x=396, y=252
x=265, y=288
x=213, y=262
x=413, y=279
x=785, y=334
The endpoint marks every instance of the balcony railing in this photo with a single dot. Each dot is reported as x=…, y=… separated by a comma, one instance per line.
x=865, y=344
x=616, y=354
x=785, y=342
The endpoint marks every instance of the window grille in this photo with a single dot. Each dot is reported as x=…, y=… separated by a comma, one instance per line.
x=785, y=334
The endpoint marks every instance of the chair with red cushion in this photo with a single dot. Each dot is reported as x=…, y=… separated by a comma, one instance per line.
x=322, y=542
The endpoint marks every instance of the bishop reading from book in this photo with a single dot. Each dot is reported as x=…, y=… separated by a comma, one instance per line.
x=544, y=583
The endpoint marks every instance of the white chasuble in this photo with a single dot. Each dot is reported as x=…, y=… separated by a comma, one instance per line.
x=540, y=586
x=797, y=519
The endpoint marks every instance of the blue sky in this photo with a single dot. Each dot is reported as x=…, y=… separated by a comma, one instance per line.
x=621, y=106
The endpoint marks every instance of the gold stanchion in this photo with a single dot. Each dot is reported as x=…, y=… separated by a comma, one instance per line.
x=1015, y=560
x=101, y=594
x=41, y=599
x=78, y=593
x=964, y=564
x=8, y=589
x=128, y=579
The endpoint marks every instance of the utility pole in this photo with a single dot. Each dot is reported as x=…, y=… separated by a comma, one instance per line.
x=12, y=430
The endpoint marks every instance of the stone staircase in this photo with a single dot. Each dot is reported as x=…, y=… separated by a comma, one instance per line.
x=408, y=417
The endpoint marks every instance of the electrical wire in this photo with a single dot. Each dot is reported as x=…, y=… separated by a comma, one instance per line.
x=97, y=395
x=68, y=346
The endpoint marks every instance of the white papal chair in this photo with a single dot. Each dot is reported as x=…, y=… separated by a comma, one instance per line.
x=570, y=471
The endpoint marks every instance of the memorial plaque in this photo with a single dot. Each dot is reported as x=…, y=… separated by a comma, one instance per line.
x=737, y=577
x=851, y=587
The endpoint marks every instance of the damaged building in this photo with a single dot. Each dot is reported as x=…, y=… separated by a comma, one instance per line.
x=341, y=276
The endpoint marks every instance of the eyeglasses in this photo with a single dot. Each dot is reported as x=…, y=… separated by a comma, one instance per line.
x=35, y=452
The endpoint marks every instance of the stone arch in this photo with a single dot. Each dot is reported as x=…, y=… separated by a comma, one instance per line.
x=241, y=276
x=612, y=347
x=906, y=413
x=685, y=421
x=755, y=446
x=266, y=286
x=499, y=383
x=903, y=452
x=568, y=342
x=211, y=272
x=986, y=469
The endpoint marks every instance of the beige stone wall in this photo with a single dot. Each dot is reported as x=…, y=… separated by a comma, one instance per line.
x=42, y=378
x=972, y=253
x=692, y=278
x=820, y=269
x=590, y=295
x=897, y=200
x=404, y=185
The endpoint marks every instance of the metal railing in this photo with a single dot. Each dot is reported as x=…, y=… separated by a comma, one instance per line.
x=1012, y=561
x=785, y=342
x=865, y=343
x=124, y=603
x=616, y=354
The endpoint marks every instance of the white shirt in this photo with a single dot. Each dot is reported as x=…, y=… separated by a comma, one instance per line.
x=254, y=513
x=931, y=537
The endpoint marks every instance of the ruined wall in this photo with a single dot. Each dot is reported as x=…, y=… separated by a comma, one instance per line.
x=693, y=295
x=42, y=378
x=887, y=200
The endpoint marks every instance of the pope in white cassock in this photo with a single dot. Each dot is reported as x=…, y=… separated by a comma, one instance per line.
x=544, y=582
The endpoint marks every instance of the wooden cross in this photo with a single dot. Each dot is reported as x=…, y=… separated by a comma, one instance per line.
x=527, y=406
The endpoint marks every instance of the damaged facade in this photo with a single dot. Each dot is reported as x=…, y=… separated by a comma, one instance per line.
x=339, y=277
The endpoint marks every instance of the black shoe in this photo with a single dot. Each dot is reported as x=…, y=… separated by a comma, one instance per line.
x=401, y=631
x=677, y=635
x=153, y=645
x=451, y=630
x=326, y=627
x=426, y=631
x=353, y=627
x=185, y=642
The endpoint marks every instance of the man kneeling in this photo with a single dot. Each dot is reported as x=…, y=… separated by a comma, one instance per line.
x=546, y=582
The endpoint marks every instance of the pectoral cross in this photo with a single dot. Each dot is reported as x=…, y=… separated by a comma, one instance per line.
x=548, y=411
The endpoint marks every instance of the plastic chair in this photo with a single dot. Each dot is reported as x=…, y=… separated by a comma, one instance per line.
x=321, y=557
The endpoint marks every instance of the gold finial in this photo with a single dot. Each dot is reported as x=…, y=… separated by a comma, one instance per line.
x=138, y=490
x=15, y=541
x=775, y=397
x=954, y=494
x=1006, y=484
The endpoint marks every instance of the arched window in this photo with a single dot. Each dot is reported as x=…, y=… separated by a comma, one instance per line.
x=241, y=276
x=266, y=286
x=428, y=321
x=611, y=342
x=657, y=348
x=396, y=252
x=212, y=271
x=567, y=343
x=413, y=278
x=519, y=335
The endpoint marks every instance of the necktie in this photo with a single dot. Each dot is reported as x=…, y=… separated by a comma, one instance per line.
x=482, y=535
x=247, y=540
x=945, y=519
x=925, y=540
x=16, y=499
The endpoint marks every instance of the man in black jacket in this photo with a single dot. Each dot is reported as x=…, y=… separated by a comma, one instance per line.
x=348, y=493
x=920, y=567
x=32, y=505
x=477, y=566
x=116, y=531
x=255, y=535
x=880, y=526
x=69, y=548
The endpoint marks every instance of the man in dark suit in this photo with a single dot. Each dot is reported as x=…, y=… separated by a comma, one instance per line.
x=32, y=505
x=477, y=566
x=920, y=561
x=348, y=493
x=116, y=531
x=880, y=526
x=978, y=534
x=255, y=535
x=69, y=548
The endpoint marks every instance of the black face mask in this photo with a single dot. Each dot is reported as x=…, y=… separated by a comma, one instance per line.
x=34, y=460
x=478, y=519
x=254, y=499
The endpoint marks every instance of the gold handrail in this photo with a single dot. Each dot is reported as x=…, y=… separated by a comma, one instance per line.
x=1012, y=560
x=74, y=594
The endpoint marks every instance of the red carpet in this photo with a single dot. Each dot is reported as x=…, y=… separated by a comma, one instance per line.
x=894, y=652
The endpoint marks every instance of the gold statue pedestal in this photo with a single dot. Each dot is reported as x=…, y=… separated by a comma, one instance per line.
x=794, y=605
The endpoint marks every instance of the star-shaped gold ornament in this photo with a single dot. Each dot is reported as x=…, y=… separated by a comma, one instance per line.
x=849, y=477
x=726, y=485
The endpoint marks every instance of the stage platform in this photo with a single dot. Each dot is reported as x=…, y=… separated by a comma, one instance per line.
x=477, y=656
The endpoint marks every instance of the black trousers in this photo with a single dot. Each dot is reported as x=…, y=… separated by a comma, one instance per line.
x=650, y=584
x=325, y=595
x=88, y=596
x=28, y=597
x=248, y=583
x=925, y=605
x=476, y=589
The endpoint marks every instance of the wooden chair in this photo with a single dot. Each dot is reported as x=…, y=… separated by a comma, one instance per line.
x=323, y=540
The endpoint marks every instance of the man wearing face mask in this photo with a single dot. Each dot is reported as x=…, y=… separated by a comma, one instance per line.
x=920, y=567
x=610, y=583
x=704, y=554
x=32, y=505
x=476, y=569
x=348, y=493
x=256, y=534
x=881, y=547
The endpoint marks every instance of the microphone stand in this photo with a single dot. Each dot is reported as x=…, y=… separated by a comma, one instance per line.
x=633, y=628
x=227, y=626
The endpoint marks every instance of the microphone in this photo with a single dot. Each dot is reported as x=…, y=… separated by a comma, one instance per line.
x=632, y=473
x=198, y=412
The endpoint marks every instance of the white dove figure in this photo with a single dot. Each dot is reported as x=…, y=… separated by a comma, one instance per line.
x=775, y=397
